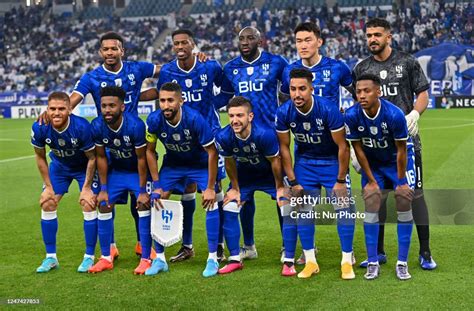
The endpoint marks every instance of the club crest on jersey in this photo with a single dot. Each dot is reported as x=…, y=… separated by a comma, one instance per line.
x=319, y=122
x=307, y=126
x=74, y=141
x=187, y=134
x=374, y=130
x=250, y=71
x=383, y=74
x=266, y=69
x=131, y=77
x=117, y=142
x=176, y=137
x=203, y=79
x=118, y=82
x=61, y=142
x=254, y=148
x=361, y=128
x=384, y=128
x=48, y=141
x=188, y=82
x=327, y=75
x=348, y=131
x=246, y=149
x=399, y=70
x=126, y=139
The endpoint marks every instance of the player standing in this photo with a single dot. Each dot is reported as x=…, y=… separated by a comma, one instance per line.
x=72, y=158
x=197, y=80
x=378, y=132
x=255, y=75
x=321, y=160
x=191, y=156
x=123, y=134
x=252, y=163
x=401, y=79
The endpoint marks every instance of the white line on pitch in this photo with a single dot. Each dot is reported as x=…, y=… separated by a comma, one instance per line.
x=446, y=127
x=13, y=139
x=16, y=159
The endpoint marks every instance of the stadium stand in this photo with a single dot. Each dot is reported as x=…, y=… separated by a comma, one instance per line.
x=41, y=52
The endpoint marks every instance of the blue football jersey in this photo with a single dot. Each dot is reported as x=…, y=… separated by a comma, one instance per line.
x=122, y=142
x=197, y=85
x=129, y=77
x=328, y=75
x=257, y=81
x=184, y=141
x=250, y=153
x=311, y=131
x=68, y=146
x=378, y=134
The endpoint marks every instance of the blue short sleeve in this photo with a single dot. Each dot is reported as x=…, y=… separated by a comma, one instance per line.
x=37, y=138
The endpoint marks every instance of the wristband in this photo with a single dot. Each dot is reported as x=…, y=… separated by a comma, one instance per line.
x=293, y=182
x=103, y=187
x=156, y=184
x=341, y=181
x=402, y=181
x=142, y=190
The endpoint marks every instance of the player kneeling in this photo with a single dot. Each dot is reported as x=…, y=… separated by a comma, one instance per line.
x=252, y=163
x=72, y=157
x=123, y=135
x=378, y=132
x=191, y=157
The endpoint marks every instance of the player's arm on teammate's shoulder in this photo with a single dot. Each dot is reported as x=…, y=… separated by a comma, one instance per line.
x=86, y=191
x=150, y=94
x=233, y=194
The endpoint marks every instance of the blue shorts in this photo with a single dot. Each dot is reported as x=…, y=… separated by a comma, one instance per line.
x=248, y=188
x=120, y=183
x=387, y=176
x=62, y=178
x=314, y=174
x=172, y=177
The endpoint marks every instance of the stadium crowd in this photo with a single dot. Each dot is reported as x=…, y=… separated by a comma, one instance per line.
x=42, y=52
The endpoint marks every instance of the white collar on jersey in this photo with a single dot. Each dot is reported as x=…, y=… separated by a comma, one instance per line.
x=113, y=72
x=67, y=126
x=310, y=109
x=250, y=63
x=118, y=129
x=376, y=115
x=180, y=118
x=187, y=71
x=317, y=63
x=244, y=139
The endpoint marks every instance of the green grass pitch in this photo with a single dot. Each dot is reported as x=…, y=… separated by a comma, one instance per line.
x=448, y=147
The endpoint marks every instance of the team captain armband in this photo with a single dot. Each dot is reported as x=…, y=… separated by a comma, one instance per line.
x=152, y=138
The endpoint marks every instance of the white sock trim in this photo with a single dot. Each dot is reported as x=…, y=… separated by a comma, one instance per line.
x=51, y=255
x=109, y=258
x=309, y=255
x=212, y=256
x=289, y=260
x=89, y=256
x=234, y=258
x=49, y=215
x=231, y=207
x=220, y=196
x=346, y=258
x=105, y=216
x=144, y=213
x=88, y=216
x=161, y=256
x=188, y=196
x=404, y=263
x=213, y=208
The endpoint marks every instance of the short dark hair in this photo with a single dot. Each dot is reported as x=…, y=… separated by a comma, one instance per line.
x=115, y=91
x=301, y=73
x=378, y=22
x=111, y=36
x=308, y=26
x=59, y=96
x=171, y=87
x=239, y=101
x=368, y=76
x=182, y=31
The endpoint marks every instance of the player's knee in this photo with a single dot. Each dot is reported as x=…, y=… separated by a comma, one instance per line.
x=49, y=206
x=86, y=207
x=418, y=193
x=143, y=207
x=103, y=209
x=403, y=199
x=372, y=200
x=166, y=195
x=405, y=216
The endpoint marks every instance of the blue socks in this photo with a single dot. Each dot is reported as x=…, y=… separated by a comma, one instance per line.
x=144, y=226
x=404, y=229
x=188, y=200
x=212, y=229
x=90, y=231
x=106, y=226
x=345, y=229
x=49, y=228
x=247, y=215
x=232, y=228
